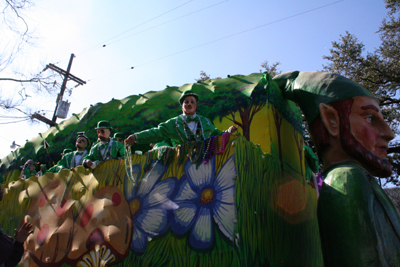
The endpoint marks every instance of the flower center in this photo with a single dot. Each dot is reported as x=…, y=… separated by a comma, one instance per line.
x=207, y=196
x=134, y=205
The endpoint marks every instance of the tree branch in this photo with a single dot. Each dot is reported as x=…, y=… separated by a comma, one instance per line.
x=21, y=81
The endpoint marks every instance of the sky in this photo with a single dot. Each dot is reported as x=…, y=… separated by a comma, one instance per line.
x=125, y=47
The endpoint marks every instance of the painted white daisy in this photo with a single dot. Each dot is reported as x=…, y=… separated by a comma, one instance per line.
x=149, y=204
x=202, y=197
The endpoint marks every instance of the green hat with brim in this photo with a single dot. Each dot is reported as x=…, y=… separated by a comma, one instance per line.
x=310, y=88
x=30, y=162
x=186, y=94
x=103, y=125
x=118, y=136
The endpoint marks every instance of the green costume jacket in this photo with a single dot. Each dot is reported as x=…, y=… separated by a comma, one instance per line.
x=111, y=150
x=174, y=129
x=359, y=226
x=28, y=173
x=68, y=162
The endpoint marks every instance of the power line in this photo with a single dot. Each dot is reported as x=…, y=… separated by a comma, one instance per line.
x=5, y=139
x=112, y=73
x=222, y=38
x=14, y=121
x=102, y=43
x=11, y=117
x=191, y=13
x=241, y=32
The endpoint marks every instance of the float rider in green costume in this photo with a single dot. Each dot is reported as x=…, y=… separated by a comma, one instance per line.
x=119, y=137
x=106, y=147
x=188, y=127
x=73, y=159
x=66, y=151
x=29, y=169
x=359, y=226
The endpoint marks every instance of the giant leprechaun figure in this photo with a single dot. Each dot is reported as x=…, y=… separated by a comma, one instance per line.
x=359, y=226
x=106, y=147
x=74, y=158
x=188, y=127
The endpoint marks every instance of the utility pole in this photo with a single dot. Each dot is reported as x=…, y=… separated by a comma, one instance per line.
x=67, y=76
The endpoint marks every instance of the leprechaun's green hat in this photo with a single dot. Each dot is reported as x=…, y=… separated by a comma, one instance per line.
x=30, y=162
x=310, y=88
x=103, y=125
x=118, y=136
x=186, y=94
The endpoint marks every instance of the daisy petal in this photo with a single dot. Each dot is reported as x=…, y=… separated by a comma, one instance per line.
x=139, y=240
x=225, y=176
x=224, y=216
x=202, y=234
x=185, y=192
x=201, y=176
x=153, y=220
x=226, y=196
x=150, y=178
x=183, y=218
x=160, y=194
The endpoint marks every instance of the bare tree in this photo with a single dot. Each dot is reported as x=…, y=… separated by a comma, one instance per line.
x=272, y=70
x=394, y=195
x=14, y=29
x=15, y=37
x=204, y=77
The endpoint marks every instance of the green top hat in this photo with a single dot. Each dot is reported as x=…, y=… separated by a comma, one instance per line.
x=31, y=161
x=311, y=88
x=118, y=136
x=82, y=134
x=186, y=94
x=103, y=125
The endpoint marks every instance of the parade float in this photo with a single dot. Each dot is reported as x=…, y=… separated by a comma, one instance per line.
x=234, y=200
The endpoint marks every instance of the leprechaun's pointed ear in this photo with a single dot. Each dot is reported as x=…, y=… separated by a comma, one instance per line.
x=330, y=119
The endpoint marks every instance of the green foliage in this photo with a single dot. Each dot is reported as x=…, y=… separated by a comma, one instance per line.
x=378, y=71
x=244, y=94
x=287, y=109
x=262, y=230
x=176, y=252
